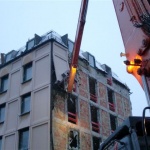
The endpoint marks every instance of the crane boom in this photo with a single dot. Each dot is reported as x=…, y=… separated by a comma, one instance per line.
x=77, y=44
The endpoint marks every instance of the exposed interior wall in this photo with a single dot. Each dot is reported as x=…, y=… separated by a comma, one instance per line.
x=83, y=126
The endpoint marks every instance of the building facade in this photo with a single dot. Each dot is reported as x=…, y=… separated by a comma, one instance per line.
x=37, y=113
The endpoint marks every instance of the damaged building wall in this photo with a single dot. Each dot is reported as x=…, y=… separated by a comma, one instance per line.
x=84, y=125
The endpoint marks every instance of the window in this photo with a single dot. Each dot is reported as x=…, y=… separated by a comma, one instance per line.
x=72, y=116
x=109, y=74
x=8, y=57
x=25, y=103
x=24, y=139
x=113, y=122
x=111, y=99
x=73, y=143
x=96, y=143
x=27, y=72
x=4, y=84
x=0, y=143
x=91, y=60
x=92, y=88
x=30, y=44
x=70, y=46
x=2, y=113
x=94, y=119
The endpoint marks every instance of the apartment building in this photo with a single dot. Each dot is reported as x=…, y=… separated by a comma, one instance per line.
x=37, y=113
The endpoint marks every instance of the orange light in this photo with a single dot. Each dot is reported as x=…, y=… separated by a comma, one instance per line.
x=71, y=79
x=130, y=69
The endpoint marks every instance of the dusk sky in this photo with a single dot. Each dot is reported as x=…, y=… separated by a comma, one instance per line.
x=20, y=20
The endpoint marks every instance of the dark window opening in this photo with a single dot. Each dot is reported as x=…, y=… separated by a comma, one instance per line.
x=72, y=116
x=24, y=139
x=27, y=72
x=2, y=113
x=92, y=88
x=0, y=143
x=94, y=119
x=111, y=99
x=73, y=140
x=4, y=84
x=113, y=122
x=25, y=103
x=96, y=143
x=148, y=1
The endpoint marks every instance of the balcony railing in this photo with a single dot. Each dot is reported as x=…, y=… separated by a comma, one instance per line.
x=95, y=127
x=72, y=117
x=93, y=98
x=112, y=107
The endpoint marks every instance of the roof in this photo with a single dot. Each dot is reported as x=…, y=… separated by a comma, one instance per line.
x=38, y=40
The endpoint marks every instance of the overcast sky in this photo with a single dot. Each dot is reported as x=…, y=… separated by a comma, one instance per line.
x=20, y=20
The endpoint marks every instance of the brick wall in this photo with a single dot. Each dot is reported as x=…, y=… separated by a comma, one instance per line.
x=60, y=135
x=61, y=126
x=85, y=141
x=103, y=95
x=84, y=115
x=59, y=107
x=127, y=107
x=105, y=123
x=119, y=104
x=83, y=84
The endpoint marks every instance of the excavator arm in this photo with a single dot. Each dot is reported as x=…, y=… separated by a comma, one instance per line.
x=77, y=44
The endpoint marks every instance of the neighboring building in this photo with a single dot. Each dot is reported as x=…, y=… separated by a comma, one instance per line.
x=37, y=113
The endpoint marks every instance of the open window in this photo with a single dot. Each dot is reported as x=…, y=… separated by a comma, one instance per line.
x=94, y=119
x=92, y=89
x=72, y=113
x=111, y=100
x=113, y=123
x=73, y=143
x=96, y=143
